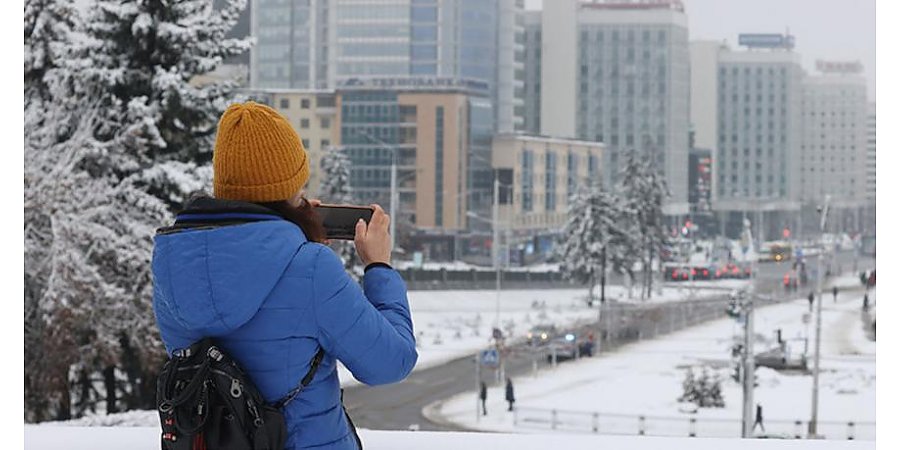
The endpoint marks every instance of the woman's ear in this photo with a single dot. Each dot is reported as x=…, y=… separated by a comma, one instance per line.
x=297, y=199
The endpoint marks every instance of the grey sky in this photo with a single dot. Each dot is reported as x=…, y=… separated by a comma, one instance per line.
x=824, y=29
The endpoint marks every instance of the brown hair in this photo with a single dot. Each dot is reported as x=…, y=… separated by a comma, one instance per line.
x=304, y=216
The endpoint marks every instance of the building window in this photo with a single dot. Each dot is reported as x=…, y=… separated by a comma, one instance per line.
x=285, y=103
x=526, y=181
x=550, y=181
x=324, y=143
x=304, y=123
x=304, y=103
x=439, y=167
x=325, y=123
x=305, y=143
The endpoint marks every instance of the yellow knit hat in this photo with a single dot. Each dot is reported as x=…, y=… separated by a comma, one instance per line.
x=258, y=156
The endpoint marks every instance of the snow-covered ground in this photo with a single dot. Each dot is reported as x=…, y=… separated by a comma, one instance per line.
x=80, y=438
x=453, y=324
x=645, y=379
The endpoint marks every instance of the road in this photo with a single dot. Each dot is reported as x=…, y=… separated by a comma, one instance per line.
x=398, y=406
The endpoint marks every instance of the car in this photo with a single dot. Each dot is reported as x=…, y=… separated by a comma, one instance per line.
x=541, y=334
x=567, y=347
x=732, y=271
x=685, y=273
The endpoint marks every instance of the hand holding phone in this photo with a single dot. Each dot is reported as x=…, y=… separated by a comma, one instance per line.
x=373, y=241
x=340, y=221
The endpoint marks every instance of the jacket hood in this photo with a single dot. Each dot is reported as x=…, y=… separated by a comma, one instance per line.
x=216, y=265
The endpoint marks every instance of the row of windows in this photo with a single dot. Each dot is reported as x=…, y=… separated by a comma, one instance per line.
x=646, y=36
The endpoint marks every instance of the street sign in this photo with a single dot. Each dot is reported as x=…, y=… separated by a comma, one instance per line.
x=497, y=334
x=490, y=357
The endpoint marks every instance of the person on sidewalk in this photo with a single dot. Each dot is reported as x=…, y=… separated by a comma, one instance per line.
x=812, y=299
x=834, y=292
x=510, y=396
x=483, y=396
x=759, y=418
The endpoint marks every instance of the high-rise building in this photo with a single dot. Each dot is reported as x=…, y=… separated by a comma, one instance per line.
x=328, y=43
x=759, y=130
x=833, y=148
x=704, y=93
x=292, y=44
x=869, y=216
x=870, y=151
x=440, y=137
x=532, y=66
x=617, y=72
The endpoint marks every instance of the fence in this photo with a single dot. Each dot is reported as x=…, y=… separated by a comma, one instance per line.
x=672, y=426
x=421, y=279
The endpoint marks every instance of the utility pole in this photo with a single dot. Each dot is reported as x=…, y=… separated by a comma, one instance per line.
x=748, y=368
x=395, y=200
x=814, y=417
x=496, y=247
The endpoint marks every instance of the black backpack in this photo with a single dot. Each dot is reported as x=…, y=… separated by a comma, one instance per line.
x=206, y=402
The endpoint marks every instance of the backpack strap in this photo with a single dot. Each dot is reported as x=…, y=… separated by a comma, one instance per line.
x=313, y=367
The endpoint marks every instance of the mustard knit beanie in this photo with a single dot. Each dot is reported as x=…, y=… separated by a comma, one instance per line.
x=258, y=156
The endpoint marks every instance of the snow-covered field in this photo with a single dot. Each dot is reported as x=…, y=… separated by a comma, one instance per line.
x=72, y=438
x=453, y=324
x=645, y=379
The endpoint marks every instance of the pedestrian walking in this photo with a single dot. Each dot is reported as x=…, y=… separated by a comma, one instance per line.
x=865, y=302
x=834, y=292
x=759, y=418
x=811, y=298
x=510, y=396
x=483, y=396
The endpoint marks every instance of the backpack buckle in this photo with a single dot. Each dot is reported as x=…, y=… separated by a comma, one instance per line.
x=214, y=353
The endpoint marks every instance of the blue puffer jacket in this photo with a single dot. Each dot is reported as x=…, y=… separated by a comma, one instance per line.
x=271, y=298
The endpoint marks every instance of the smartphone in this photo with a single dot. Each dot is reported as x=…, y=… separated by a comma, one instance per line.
x=339, y=221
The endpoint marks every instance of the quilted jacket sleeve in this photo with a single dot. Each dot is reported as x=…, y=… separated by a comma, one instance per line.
x=371, y=332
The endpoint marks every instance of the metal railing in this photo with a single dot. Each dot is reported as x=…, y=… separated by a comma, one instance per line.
x=673, y=426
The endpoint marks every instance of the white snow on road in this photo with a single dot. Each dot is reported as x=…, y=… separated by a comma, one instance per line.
x=645, y=379
x=453, y=324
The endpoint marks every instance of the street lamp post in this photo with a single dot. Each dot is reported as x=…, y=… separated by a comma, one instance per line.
x=813, y=421
x=394, y=195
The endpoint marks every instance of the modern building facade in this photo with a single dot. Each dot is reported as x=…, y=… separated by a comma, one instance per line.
x=833, y=148
x=532, y=65
x=704, y=92
x=759, y=131
x=314, y=115
x=292, y=44
x=440, y=137
x=326, y=43
x=617, y=72
x=869, y=216
x=541, y=176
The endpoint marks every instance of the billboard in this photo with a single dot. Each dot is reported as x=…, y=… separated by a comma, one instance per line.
x=838, y=66
x=766, y=40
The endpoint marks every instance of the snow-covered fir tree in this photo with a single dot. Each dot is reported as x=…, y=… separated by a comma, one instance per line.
x=334, y=187
x=645, y=189
x=137, y=63
x=595, y=234
x=115, y=135
x=49, y=27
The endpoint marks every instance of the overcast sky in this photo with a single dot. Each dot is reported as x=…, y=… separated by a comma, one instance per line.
x=824, y=29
